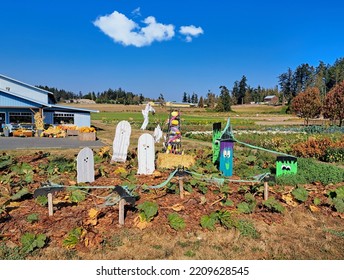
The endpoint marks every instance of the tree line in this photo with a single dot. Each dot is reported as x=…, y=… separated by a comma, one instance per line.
x=304, y=78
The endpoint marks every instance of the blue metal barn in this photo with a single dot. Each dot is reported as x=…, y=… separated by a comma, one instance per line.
x=19, y=101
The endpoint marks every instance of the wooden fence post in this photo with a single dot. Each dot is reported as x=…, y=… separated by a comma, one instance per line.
x=121, y=212
x=181, y=187
x=50, y=204
x=266, y=190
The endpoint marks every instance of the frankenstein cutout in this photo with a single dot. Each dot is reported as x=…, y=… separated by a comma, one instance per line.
x=286, y=165
x=216, y=142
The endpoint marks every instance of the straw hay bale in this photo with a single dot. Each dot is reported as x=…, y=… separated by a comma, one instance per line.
x=173, y=160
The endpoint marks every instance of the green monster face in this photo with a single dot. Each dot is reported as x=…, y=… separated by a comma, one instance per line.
x=216, y=142
x=286, y=165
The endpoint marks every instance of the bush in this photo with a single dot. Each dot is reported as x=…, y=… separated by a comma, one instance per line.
x=334, y=154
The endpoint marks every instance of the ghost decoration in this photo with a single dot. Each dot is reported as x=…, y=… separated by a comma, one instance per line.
x=85, y=166
x=121, y=142
x=157, y=134
x=145, y=113
x=146, y=154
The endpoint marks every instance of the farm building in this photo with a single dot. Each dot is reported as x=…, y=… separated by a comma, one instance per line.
x=19, y=102
x=271, y=99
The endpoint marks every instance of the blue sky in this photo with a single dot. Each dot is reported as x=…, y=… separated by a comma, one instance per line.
x=168, y=47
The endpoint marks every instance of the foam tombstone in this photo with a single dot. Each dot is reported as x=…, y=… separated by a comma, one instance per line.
x=85, y=166
x=286, y=165
x=227, y=151
x=226, y=157
x=216, y=142
x=146, y=154
x=121, y=142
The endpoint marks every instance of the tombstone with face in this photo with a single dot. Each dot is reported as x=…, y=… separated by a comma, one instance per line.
x=216, y=142
x=226, y=157
x=121, y=142
x=85, y=166
x=146, y=154
x=286, y=165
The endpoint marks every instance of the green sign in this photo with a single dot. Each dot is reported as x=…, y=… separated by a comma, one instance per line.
x=286, y=165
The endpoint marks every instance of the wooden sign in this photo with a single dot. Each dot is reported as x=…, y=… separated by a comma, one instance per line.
x=146, y=154
x=85, y=166
x=121, y=142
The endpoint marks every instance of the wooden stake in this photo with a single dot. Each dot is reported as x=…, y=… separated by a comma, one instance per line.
x=121, y=212
x=50, y=204
x=266, y=190
x=181, y=188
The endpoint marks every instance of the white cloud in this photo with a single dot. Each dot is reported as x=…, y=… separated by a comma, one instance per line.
x=127, y=32
x=190, y=32
x=137, y=12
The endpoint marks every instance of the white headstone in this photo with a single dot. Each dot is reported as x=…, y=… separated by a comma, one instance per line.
x=121, y=142
x=146, y=154
x=85, y=166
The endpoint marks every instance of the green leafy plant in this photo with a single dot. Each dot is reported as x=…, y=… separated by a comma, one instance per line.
x=73, y=238
x=209, y=221
x=18, y=195
x=247, y=228
x=31, y=242
x=24, y=170
x=248, y=205
x=337, y=199
x=272, y=204
x=42, y=200
x=317, y=201
x=77, y=195
x=5, y=161
x=31, y=218
x=300, y=194
x=176, y=222
x=224, y=218
x=148, y=210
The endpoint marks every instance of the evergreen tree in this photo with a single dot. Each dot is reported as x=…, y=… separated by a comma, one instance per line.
x=286, y=83
x=201, y=102
x=185, y=97
x=235, y=92
x=242, y=90
x=224, y=102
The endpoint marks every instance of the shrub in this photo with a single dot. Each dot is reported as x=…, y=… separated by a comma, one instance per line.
x=312, y=148
x=334, y=154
